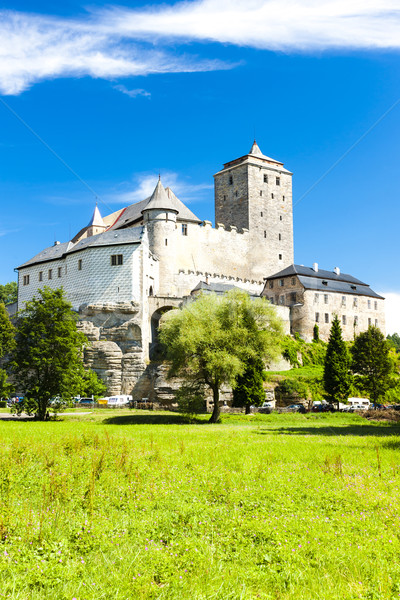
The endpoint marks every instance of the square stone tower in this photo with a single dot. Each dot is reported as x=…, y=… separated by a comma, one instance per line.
x=254, y=192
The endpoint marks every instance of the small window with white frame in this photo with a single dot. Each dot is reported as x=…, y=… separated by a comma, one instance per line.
x=117, y=259
x=355, y=302
x=344, y=320
x=184, y=229
x=343, y=300
x=26, y=280
x=326, y=298
x=281, y=282
x=278, y=181
x=369, y=303
x=326, y=317
x=375, y=305
x=316, y=298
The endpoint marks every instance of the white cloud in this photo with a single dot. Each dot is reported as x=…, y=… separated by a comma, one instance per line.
x=132, y=93
x=143, y=186
x=392, y=307
x=119, y=42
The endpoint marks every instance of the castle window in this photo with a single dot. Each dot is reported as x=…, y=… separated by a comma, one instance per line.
x=324, y=283
x=236, y=193
x=230, y=180
x=80, y=264
x=326, y=298
x=281, y=282
x=278, y=181
x=369, y=303
x=265, y=178
x=116, y=259
x=224, y=197
x=26, y=279
x=353, y=287
x=376, y=305
x=316, y=298
x=317, y=317
x=151, y=291
x=293, y=296
x=343, y=300
x=376, y=322
x=50, y=276
x=369, y=322
x=265, y=234
x=326, y=318
x=355, y=321
x=293, y=280
x=59, y=272
x=261, y=214
x=344, y=320
x=281, y=299
x=272, y=196
x=271, y=284
x=184, y=229
x=279, y=236
x=260, y=192
x=40, y=275
x=355, y=302
x=166, y=242
x=283, y=198
x=280, y=256
x=271, y=299
x=280, y=217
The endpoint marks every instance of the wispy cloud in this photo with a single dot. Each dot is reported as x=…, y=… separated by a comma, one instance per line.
x=392, y=308
x=4, y=232
x=142, y=186
x=118, y=42
x=132, y=93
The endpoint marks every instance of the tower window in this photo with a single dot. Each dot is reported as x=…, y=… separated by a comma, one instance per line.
x=260, y=192
x=59, y=272
x=279, y=236
x=278, y=181
x=166, y=242
x=26, y=279
x=230, y=180
x=326, y=318
x=280, y=217
x=280, y=256
x=272, y=196
x=283, y=198
x=79, y=265
x=224, y=197
x=265, y=234
x=184, y=229
x=265, y=178
x=117, y=259
x=50, y=275
x=40, y=275
x=261, y=214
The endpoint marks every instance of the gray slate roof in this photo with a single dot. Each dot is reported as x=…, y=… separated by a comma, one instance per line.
x=133, y=235
x=160, y=200
x=134, y=212
x=313, y=280
x=218, y=288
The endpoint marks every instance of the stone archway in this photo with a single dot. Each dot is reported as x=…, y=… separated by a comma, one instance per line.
x=155, y=350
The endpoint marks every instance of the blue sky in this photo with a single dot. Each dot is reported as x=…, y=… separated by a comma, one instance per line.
x=123, y=92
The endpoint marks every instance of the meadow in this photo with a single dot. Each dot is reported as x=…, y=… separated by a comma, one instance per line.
x=135, y=505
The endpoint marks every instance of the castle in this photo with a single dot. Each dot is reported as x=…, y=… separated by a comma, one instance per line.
x=123, y=271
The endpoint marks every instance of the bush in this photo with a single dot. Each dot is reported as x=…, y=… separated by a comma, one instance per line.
x=3, y=404
x=290, y=388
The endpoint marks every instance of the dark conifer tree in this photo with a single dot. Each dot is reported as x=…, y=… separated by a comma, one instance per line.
x=371, y=363
x=249, y=388
x=337, y=375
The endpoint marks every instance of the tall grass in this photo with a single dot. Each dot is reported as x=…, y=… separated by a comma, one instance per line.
x=267, y=506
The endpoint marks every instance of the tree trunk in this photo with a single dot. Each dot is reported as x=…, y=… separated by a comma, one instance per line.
x=42, y=410
x=216, y=410
x=248, y=409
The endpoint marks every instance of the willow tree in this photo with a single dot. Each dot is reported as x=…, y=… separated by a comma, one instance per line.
x=211, y=340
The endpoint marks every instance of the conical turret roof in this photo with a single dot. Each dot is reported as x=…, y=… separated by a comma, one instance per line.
x=160, y=199
x=97, y=219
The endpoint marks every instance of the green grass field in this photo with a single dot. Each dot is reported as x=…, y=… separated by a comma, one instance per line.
x=131, y=505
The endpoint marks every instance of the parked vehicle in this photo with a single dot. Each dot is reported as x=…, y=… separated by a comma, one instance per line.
x=359, y=404
x=119, y=401
x=86, y=401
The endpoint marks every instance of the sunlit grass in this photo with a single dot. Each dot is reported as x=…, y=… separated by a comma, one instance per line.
x=125, y=505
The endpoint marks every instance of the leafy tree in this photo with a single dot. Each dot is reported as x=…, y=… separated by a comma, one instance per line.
x=337, y=374
x=372, y=363
x=9, y=292
x=394, y=341
x=249, y=388
x=7, y=332
x=91, y=384
x=210, y=341
x=47, y=360
x=6, y=388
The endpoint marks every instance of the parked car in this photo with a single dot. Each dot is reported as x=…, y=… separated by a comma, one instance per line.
x=358, y=404
x=85, y=402
x=119, y=401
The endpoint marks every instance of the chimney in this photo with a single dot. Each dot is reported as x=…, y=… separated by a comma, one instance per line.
x=337, y=270
x=315, y=267
x=56, y=243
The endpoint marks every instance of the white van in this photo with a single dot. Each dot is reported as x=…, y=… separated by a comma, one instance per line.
x=358, y=403
x=119, y=401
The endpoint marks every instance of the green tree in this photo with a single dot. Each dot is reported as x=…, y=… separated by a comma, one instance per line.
x=249, y=388
x=9, y=292
x=372, y=364
x=394, y=340
x=210, y=341
x=91, y=384
x=337, y=374
x=316, y=333
x=7, y=342
x=47, y=360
